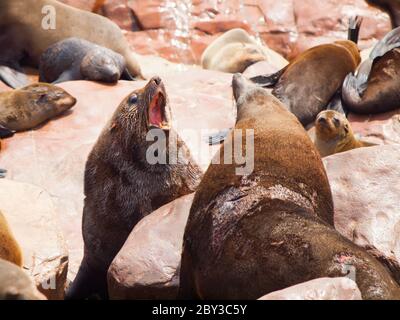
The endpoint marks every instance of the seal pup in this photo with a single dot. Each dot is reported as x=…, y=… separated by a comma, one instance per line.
x=15, y=284
x=310, y=83
x=250, y=235
x=333, y=134
x=392, y=7
x=28, y=107
x=78, y=59
x=376, y=87
x=122, y=186
x=9, y=248
x=24, y=39
x=235, y=50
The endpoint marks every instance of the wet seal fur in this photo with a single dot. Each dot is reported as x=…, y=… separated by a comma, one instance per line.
x=26, y=108
x=23, y=40
x=9, y=248
x=376, y=87
x=78, y=59
x=15, y=284
x=251, y=235
x=122, y=187
x=234, y=51
x=333, y=134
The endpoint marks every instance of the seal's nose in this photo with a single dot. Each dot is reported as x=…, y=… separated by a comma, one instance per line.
x=156, y=80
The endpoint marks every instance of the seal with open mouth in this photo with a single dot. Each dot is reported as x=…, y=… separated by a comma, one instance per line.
x=122, y=185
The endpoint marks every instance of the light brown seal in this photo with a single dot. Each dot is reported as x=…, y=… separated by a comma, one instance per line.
x=26, y=108
x=24, y=38
x=122, y=185
x=333, y=134
x=251, y=235
x=9, y=248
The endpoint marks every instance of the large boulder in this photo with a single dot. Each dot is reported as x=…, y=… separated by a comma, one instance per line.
x=147, y=267
x=366, y=192
x=319, y=289
x=33, y=219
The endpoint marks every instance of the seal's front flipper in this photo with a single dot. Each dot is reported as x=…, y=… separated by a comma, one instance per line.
x=67, y=75
x=13, y=78
x=354, y=28
x=350, y=92
x=126, y=75
x=217, y=138
x=389, y=42
x=336, y=104
x=2, y=173
x=5, y=132
x=268, y=81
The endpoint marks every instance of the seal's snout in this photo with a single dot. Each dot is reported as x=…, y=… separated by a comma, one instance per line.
x=156, y=80
x=157, y=111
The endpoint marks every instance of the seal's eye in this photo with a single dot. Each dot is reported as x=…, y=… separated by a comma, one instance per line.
x=133, y=99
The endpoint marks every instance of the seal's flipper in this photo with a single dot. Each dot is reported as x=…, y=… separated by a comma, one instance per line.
x=350, y=93
x=389, y=42
x=13, y=78
x=217, y=138
x=3, y=173
x=5, y=132
x=126, y=75
x=67, y=75
x=336, y=104
x=268, y=81
x=354, y=28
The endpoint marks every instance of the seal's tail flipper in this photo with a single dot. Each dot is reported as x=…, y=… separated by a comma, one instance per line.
x=354, y=28
x=268, y=81
x=2, y=173
x=389, y=42
x=5, y=132
x=217, y=138
x=13, y=78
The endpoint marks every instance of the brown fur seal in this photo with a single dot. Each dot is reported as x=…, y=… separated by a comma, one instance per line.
x=15, y=284
x=121, y=186
x=78, y=59
x=250, y=235
x=311, y=81
x=24, y=39
x=376, y=87
x=9, y=248
x=235, y=50
x=333, y=134
x=26, y=108
x=392, y=7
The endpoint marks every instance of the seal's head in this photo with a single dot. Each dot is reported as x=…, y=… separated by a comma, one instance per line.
x=143, y=110
x=245, y=90
x=46, y=97
x=332, y=126
x=102, y=64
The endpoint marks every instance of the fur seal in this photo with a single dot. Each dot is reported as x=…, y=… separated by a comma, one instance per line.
x=376, y=87
x=333, y=134
x=26, y=108
x=250, y=235
x=15, y=284
x=9, y=248
x=392, y=7
x=309, y=84
x=24, y=39
x=78, y=59
x=121, y=186
x=235, y=50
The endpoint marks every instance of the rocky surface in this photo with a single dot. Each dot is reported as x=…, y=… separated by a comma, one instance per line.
x=147, y=267
x=165, y=28
x=319, y=289
x=366, y=191
x=32, y=217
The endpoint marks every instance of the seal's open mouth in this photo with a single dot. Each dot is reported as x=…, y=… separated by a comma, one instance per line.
x=157, y=108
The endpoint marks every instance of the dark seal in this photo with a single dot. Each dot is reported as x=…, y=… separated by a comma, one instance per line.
x=78, y=59
x=122, y=186
x=250, y=235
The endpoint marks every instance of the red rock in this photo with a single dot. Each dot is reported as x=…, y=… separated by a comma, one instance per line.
x=147, y=267
x=366, y=194
x=81, y=4
x=319, y=289
x=121, y=14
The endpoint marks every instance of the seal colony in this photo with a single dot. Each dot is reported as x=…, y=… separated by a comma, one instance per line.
x=251, y=235
x=24, y=39
x=121, y=186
